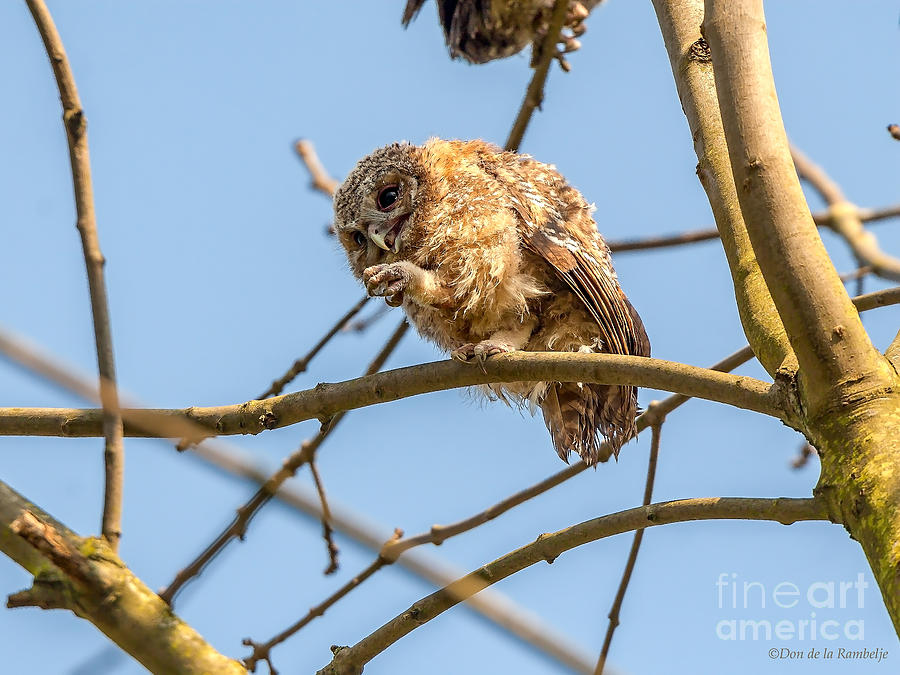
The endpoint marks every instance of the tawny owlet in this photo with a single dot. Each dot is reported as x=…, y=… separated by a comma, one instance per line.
x=487, y=252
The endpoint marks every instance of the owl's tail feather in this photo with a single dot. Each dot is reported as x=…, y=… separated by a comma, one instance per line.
x=580, y=416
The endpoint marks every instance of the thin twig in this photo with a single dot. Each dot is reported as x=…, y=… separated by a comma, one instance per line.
x=261, y=650
x=75, y=124
x=534, y=95
x=237, y=528
x=845, y=220
x=326, y=519
x=362, y=324
x=491, y=605
x=548, y=547
x=802, y=459
x=632, y=554
x=321, y=180
x=663, y=241
x=301, y=364
x=856, y=275
x=821, y=218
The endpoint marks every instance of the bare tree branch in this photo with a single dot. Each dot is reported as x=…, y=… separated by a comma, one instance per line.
x=326, y=519
x=262, y=650
x=321, y=180
x=893, y=351
x=821, y=218
x=398, y=545
x=548, y=547
x=493, y=606
x=86, y=576
x=326, y=400
x=75, y=124
x=534, y=95
x=632, y=554
x=811, y=300
x=301, y=364
x=846, y=389
x=691, y=66
x=237, y=528
x=845, y=219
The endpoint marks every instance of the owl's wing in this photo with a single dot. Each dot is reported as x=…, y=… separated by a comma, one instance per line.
x=446, y=13
x=583, y=263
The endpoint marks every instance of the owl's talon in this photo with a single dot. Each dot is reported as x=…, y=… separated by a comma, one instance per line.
x=479, y=352
x=386, y=280
x=394, y=300
x=465, y=353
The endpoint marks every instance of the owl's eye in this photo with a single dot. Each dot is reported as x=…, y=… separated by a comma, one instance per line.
x=359, y=238
x=387, y=197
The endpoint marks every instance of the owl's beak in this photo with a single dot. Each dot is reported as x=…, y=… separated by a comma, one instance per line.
x=386, y=235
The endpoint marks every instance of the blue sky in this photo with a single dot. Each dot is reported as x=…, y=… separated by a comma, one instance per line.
x=220, y=275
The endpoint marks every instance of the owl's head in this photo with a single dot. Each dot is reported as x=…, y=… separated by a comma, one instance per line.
x=375, y=208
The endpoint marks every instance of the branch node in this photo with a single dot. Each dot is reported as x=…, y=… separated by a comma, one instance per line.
x=268, y=420
x=699, y=51
x=47, y=592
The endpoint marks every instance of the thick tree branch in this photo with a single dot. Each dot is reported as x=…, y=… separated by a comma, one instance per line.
x=547, y=547
x=86, y=576
x=327, y=400
x=690, y=60
x=845, y=219
x=825, y=332
x=893, y=351
x=75, y=124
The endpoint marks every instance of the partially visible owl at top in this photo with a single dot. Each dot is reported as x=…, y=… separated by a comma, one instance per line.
x=484, y=30
x=488, y=252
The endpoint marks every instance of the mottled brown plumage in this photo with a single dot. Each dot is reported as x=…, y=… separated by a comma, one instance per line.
x=489, y=251
x=484, y=30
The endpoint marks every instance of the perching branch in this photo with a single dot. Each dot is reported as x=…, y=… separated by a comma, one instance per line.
x=75, y=124
x=548, y=547
x=326, y=400
x=845, y=219
x=85, y=576
x=824, y=330
x=394, y=548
